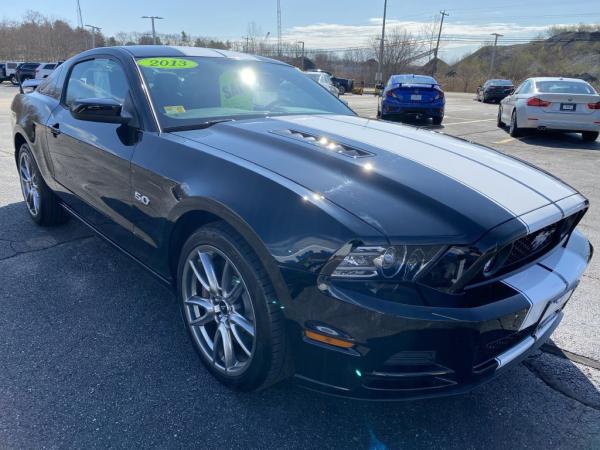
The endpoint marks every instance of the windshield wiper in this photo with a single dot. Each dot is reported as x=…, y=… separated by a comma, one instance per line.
x=196, y=126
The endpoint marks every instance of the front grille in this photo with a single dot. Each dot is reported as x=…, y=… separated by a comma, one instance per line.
x=534, y=244
x=526, y=249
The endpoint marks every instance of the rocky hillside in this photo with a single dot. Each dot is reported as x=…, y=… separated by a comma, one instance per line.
x=569, y=54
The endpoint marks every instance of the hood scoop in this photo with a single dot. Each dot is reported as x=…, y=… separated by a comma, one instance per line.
x=324, y=143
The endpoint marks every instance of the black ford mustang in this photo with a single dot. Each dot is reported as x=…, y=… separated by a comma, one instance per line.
x=365, y=258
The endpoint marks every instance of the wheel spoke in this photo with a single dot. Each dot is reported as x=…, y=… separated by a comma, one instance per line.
x=226, y=278
x=243, y=323
x=239, y=339
x=223, y=340
x=25, y=173
x=234, y=293
x=206, y=305
x=207, y=264
x=36, y=200
x=199, y=277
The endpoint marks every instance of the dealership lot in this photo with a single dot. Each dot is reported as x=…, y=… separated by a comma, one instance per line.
x=92, y=350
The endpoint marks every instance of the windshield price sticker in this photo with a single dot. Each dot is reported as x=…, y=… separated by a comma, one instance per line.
x=167, y=63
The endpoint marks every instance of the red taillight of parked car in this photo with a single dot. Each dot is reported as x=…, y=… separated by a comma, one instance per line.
x=594, y=105
x=534, y=101
x=391, y=93
x=439, y=95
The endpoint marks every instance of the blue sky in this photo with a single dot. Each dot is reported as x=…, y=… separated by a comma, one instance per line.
x=320, y=23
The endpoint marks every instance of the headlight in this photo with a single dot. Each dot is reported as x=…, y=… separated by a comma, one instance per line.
x=399, y=263
x=451, y=268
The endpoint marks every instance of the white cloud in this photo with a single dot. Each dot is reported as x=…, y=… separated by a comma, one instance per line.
x=333, y=35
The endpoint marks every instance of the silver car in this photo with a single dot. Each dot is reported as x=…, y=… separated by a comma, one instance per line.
x=552, y=103
x=324, y=80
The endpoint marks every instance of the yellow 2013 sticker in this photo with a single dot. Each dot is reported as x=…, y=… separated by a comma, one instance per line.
x=174, y=109
x=167, y=63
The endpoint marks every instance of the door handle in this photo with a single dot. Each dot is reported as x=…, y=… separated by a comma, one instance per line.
x=54, y=129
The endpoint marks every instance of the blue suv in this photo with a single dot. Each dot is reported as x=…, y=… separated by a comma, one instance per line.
x=412, y=95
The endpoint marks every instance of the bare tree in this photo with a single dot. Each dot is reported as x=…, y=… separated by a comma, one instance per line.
x=400, y=51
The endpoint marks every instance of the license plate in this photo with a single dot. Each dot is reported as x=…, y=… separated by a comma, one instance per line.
x=415, y=97
x=567, y=107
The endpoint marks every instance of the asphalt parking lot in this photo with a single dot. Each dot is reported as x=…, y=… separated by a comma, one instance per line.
x=93, y=354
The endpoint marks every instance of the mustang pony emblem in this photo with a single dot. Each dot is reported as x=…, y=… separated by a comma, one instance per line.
x=541, y=239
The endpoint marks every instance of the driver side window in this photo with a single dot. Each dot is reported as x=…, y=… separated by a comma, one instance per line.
x=98, y=78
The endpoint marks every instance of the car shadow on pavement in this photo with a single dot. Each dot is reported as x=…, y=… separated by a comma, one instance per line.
x=553, y=139
x=93, y=352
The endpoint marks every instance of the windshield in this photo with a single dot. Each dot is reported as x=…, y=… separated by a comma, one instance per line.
x=194, y=90
x=564, y=87
x=412, y=79
x=500, y=83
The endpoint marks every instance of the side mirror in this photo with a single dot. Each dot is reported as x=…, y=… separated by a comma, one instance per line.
x=98, y=110
x=379, y=87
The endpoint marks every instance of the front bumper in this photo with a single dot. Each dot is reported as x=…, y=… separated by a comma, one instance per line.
x=406, y=351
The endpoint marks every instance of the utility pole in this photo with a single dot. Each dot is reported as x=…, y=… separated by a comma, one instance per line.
x=247, y=46
x=153, y=18
x=94, y=30
x=79, y=16
x=496, y=36
x=302, y=64
x=379, y=76
x=437, y=46
x=279, y=27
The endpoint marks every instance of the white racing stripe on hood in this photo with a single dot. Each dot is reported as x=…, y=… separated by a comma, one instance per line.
x=514, y=186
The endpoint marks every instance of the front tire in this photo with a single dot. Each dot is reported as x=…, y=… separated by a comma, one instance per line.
x=589, y=136
x=230, y=309
x=42, y=204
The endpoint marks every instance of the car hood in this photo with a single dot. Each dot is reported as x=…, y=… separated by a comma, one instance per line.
x=411, y=184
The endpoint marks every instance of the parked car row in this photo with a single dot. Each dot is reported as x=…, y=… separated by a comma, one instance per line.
x=15, y=71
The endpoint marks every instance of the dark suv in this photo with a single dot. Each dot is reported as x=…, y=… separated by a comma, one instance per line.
x=26, y=71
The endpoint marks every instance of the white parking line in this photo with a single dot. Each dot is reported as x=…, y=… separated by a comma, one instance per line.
x=469, y=121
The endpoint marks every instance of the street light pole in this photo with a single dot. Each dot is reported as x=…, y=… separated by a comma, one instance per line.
x=94, y=29
x=153, y=18
x=302, y=64
x=379, y=76
x=437, y=45
x=496, y=36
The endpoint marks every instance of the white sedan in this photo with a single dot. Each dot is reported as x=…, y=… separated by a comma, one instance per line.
x=552, y=103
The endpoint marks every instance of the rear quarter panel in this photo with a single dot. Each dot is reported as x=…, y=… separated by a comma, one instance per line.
x=30, y=114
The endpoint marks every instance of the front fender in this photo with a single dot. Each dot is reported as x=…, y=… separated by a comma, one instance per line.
x=293, y=230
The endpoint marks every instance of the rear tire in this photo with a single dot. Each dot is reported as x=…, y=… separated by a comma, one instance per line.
x=258, y=354
x=342, y=89
x=13, y=80
x=499, y=122
x=437, y=120
x=514, y=130
x=589, y=136
x=42, y=204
